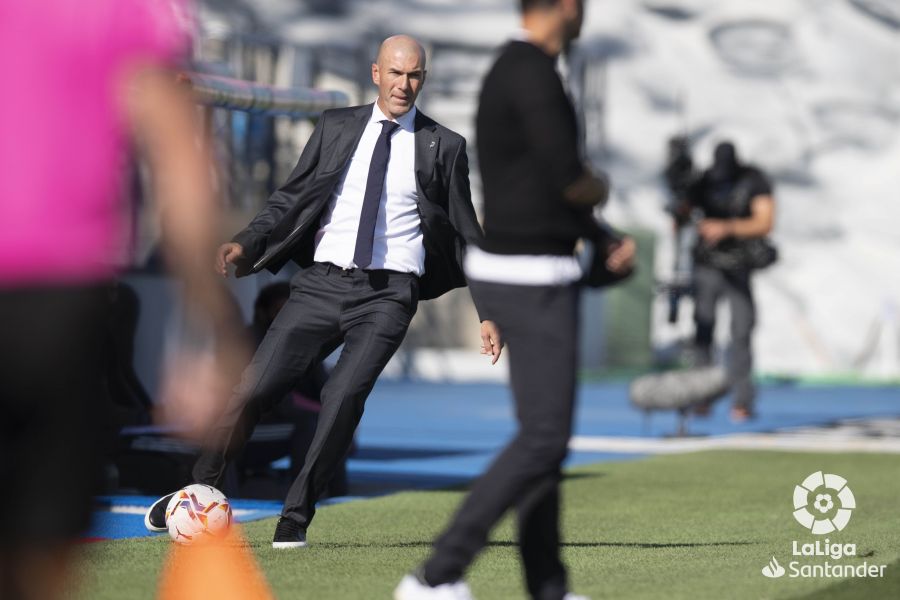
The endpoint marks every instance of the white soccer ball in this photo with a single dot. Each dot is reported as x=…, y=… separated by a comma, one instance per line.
x=196, y=512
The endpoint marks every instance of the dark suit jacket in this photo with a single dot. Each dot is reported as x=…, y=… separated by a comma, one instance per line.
x=285, y=228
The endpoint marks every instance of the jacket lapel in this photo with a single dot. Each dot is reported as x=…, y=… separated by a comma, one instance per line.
x=351, y=128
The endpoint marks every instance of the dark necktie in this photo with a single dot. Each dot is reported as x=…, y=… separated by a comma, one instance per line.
x=365, y=236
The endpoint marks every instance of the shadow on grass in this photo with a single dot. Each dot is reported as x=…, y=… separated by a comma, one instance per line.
x=576, y=475
x=381, y=483
x=648, y=545
x=511, y=544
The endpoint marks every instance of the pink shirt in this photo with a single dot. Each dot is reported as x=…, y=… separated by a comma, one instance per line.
x=63, y=135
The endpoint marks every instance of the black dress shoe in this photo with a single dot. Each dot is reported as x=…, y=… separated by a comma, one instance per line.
x=289, y=534
x=155, y=519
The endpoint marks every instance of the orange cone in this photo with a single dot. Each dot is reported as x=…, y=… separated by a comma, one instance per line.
x=216, y=568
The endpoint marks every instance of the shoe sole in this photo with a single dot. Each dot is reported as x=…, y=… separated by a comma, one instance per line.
x=400, y=592
x=150, y=526
x=288, y=545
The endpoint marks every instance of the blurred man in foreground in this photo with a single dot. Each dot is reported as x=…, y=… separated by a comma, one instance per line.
x=538, y=202
x=83, y=79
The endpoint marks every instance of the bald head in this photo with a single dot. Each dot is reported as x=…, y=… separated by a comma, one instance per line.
x=399, y=73
x=401, y=45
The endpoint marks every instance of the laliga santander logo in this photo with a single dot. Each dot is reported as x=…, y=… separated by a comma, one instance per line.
x=823, y=503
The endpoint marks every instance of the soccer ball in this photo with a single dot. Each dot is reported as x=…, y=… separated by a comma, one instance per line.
x=197, y=512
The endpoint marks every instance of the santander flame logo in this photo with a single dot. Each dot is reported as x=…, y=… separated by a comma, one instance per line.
x=773, y=569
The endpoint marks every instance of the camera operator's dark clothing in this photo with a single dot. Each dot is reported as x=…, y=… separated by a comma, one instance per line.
x=726, y=193
x=728, y=197
x=725, y=196
x=709, y=286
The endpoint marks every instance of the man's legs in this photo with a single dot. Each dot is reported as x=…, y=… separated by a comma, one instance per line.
x=708, y=284
x=375, y=314
x=539, y=325
x=538, y=519
x=304, y=332
x=743, y=319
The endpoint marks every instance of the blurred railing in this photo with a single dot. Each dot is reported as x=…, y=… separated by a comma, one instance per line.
x=247, y=96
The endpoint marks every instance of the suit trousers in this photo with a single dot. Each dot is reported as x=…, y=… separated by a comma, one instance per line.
x=709, y=286
x=369, y=312
x=540, y=327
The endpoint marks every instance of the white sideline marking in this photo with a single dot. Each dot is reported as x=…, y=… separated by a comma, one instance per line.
x=849, y=436
x=796, y=443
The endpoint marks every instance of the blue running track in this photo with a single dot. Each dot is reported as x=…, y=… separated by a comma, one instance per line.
x=425, y=435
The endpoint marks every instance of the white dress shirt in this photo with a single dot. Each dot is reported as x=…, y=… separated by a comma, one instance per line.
x=398, y=244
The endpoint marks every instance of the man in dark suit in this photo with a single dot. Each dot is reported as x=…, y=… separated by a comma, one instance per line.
x=378, y=213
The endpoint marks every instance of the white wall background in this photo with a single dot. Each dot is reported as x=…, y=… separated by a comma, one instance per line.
x=808, y=89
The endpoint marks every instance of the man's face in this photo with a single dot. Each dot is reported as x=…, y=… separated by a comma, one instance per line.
x=399, y=75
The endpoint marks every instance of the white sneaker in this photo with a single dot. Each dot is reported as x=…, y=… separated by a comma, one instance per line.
x=411, y=588
x=575, y=597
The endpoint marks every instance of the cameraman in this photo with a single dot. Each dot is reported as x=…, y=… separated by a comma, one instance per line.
x=738, y=211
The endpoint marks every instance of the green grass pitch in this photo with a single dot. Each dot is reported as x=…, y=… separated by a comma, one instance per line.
x=689, y=526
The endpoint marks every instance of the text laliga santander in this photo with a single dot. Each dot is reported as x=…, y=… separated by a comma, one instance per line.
x=836, y=552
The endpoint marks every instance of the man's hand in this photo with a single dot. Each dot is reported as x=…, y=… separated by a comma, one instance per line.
x=227, y=254
x=621, y=256
x=714, y=231
x=491, y=343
